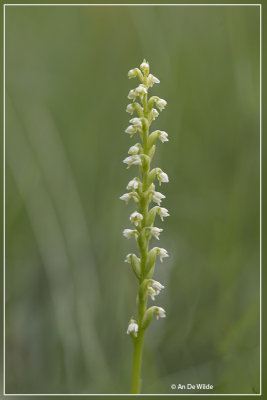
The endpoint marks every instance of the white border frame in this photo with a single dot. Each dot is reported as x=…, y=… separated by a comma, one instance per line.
x=4, y=186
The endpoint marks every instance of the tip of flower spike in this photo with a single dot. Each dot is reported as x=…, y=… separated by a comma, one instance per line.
x=144, y=67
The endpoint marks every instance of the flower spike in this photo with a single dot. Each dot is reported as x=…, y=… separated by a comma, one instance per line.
x=144, y=110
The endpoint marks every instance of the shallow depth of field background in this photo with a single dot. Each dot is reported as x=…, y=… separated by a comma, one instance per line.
x=69, y=295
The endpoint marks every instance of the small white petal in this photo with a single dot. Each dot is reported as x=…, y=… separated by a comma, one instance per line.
x=151, y=79
x=160, y=312
x=161, y=104
x=163, y=136
x=155, y=232
x=132, y=328
x=133, y=184
x=132, y=94
x=141, y=90
x=163, y=212
x=154, y=113
x=131, y=130
x=157, y=197
x=162, y=253
x=130, y=108
x=126, y=197
x=162, y=176
x=132, y=160
x=154, y=288
x=136, y=122
x=132, y=73
x=129, y=233
x=133, y=150
x=136, y=217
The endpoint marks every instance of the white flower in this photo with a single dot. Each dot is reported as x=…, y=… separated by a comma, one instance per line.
x=133, y=160
x=163, y=212
x=162, y=253
x=131, y=130
x=160, y=312
x=154, y=114
x=133, y=184
x=144, y=67
x=132, y=73
x=136, y=217
x=132, y=95
x=154, y=288
x=163, y=136
x=157, y=197
x=155, y=232
x=162, y=177
x=151, y=79
x=130, y=108
x=136, y=122
x=128, y=196
x=141, y=90
x=129, y=233
x=128, y=258
x=132, y=328
x=161, y=104
x=133, y=150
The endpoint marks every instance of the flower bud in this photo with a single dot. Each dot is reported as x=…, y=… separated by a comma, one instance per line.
x=145, y=67
x=132, y=73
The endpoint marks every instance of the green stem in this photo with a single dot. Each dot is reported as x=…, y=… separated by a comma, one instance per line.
x=137, y=361
x=138, y=341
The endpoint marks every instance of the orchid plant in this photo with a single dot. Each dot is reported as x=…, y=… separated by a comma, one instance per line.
x=142, y=190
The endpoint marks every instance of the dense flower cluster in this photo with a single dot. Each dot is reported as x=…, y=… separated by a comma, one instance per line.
x=143, y=191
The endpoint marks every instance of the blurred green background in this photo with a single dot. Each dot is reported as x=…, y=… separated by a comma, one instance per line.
x=69, y=295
